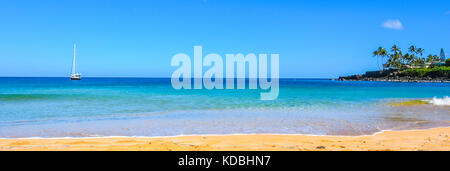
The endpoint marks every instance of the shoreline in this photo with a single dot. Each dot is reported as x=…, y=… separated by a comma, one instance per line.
x=394, y=76
x=218, y=135
x=398, y=80
x=409, y=140
x=391, y=79
x=402, y=81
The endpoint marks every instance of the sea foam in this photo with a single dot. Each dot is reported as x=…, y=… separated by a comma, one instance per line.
x=440, y=101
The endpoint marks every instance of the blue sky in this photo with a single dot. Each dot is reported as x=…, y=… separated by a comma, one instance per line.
x=115, y=38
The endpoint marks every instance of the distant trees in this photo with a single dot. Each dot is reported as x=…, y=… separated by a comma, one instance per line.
x=413, y=59
x=442, y=54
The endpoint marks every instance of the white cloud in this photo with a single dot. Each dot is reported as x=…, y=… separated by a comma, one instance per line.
x=393, y=24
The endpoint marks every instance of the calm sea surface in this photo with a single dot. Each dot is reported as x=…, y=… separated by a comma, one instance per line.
x=58, y=107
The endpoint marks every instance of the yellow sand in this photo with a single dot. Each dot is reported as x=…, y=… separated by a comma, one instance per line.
x=431, y=139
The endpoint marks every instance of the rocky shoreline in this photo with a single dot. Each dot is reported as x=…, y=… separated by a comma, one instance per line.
x=392, y=77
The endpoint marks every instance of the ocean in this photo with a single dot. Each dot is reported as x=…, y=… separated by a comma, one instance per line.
x=97, y=107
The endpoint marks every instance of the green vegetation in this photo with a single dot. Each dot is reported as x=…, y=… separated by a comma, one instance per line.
x=447, y=62
x=443, y=71
x=397, y=60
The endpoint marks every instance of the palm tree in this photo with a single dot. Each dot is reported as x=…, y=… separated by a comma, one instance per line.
x=420, y=51
x=412, y=49
x=395, y=48
x=395, y=59
x=377, y=54
x=436, y=58
x=390, y=62
x=430, y=58
x=419, y=61
x=380, y=52
x=409, y=59
x=413, y=61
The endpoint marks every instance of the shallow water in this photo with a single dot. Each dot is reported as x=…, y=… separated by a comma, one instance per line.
x=58, y=107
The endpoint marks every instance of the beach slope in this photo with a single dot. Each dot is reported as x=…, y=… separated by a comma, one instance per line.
x=415, y=140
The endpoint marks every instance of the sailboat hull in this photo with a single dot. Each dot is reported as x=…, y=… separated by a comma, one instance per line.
x=75, y=78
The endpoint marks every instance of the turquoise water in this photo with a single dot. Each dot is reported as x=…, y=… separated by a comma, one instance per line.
x=58, y=107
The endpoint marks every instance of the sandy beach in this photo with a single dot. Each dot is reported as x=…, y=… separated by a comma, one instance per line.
x=414, y=140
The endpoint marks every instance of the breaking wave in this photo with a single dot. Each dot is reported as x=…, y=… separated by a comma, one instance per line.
x=440, y=101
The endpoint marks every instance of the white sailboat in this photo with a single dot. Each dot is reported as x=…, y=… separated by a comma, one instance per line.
x=74, y=75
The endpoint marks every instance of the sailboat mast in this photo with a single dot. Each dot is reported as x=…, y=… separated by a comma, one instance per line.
x=74, y=54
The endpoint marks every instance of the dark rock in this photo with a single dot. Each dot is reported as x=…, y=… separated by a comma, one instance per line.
x=392, y=76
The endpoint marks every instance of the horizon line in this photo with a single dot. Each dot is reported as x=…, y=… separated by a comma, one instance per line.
x=142, y=77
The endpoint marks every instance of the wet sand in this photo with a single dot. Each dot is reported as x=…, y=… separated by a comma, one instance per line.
x=415, y=140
